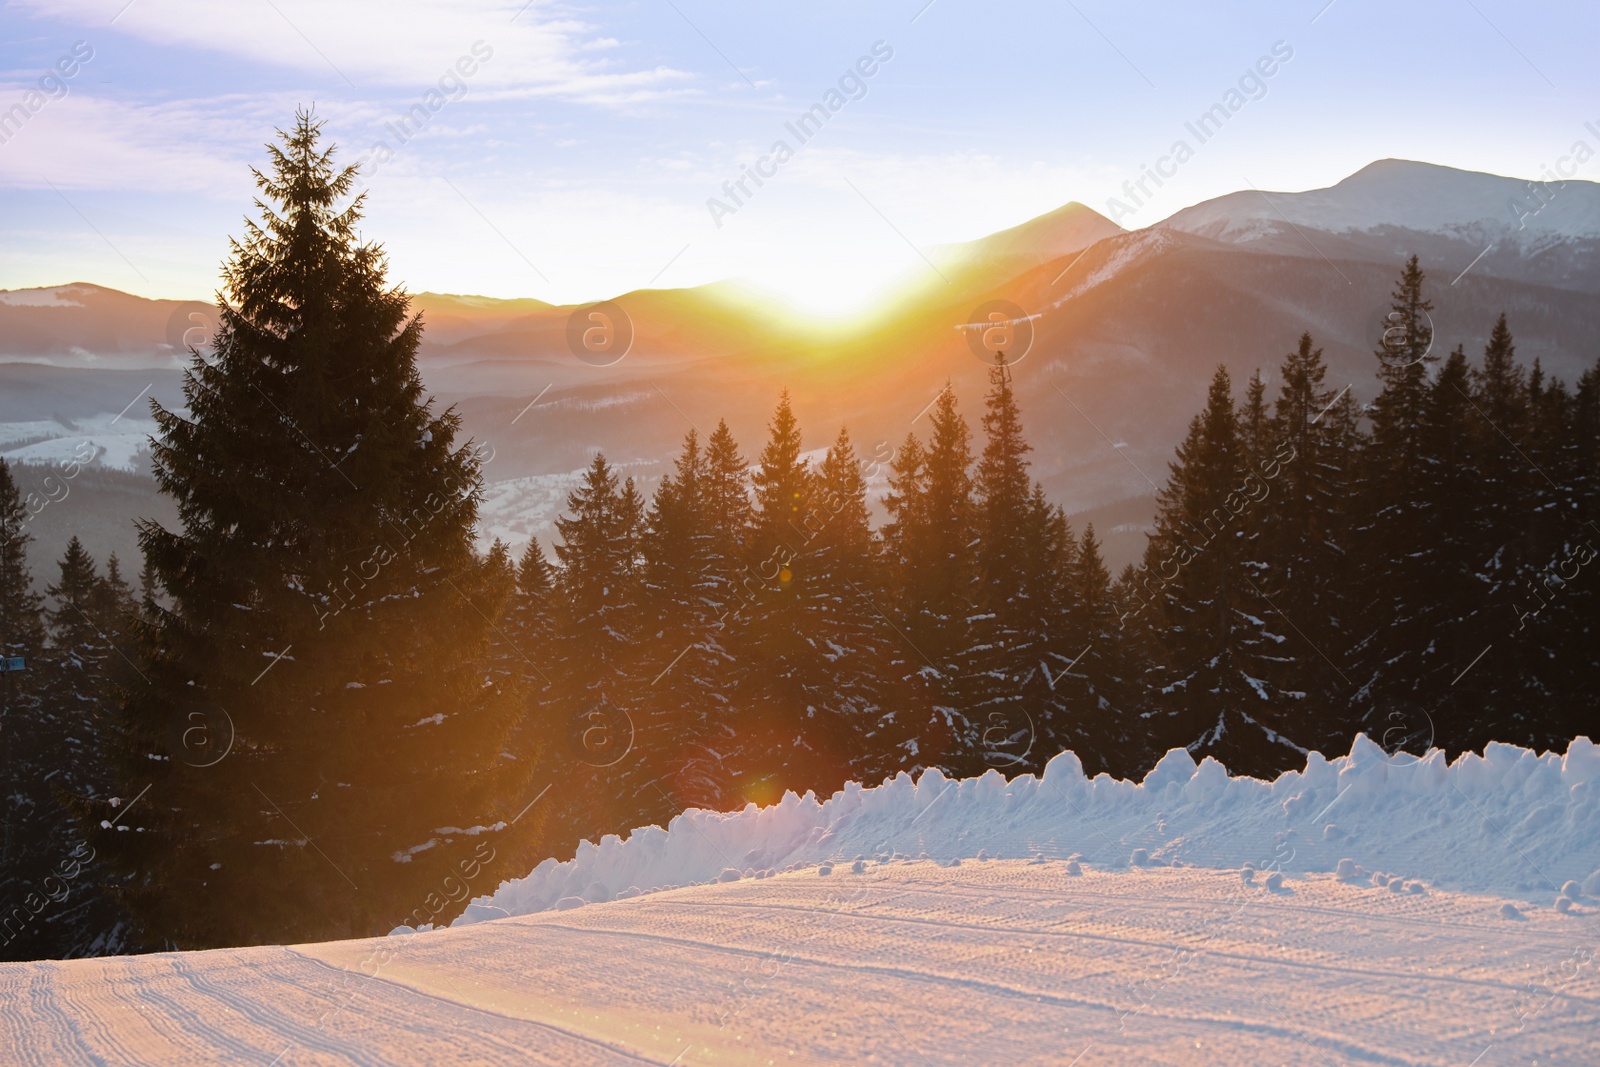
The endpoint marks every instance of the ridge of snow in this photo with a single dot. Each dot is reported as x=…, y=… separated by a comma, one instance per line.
x=1507, y=821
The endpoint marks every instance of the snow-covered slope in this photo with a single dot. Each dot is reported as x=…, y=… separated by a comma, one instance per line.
x=1406, y=195
x=1003, y=962
x=1120, y=926
x=1508, y=822
x=106, y=440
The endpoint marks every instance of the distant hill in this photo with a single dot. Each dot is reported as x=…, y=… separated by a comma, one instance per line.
x=1128, y=327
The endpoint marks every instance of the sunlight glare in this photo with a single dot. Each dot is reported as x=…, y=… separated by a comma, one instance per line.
x=832, y=291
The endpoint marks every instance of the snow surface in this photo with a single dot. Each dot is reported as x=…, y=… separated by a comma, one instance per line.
x=1047, y=945
x=910, y=962
x=1508, y=821
x=112, y=442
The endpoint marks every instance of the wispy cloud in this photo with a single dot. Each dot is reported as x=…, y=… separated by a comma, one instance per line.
x=395, y=44
x=90, y=142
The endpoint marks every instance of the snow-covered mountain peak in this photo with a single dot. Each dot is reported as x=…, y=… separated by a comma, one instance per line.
x=1408, y=195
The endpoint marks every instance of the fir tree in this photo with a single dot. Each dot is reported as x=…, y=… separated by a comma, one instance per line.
x=1255, y=422
x=81, y=623
x=21, y=618
x=1404, y=358
x=59, y=750
x=950, y=534
x=325, y=601
x=597, y=664
x=117, y=610
x=1563, y=559
x=1393, y=528
x=1209, y=612
x=1097, y=670
x=864, y=721
x=933, y=534
x=527, y=620
x=782, y=484
x=1510, y=493
x=728, y=519
x=1304, y=548
x=783, y=743
x=1002, y=496
x=1023, y=552
x=498, y=585
x=27, y=750
x=1392, y=470
x=150, y=591
x=903, y=531
x=689, y=665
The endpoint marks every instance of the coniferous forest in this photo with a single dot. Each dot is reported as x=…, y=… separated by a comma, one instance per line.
x=319, y=712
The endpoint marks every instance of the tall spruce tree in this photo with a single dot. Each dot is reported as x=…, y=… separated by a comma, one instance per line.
x=525, y=633
x=1501, y=432
x=863, y=721
x=1404, y=356
x=600, y=674
x=1097, y=670
x=689, y=665
x=1304, y=547
x=82, y=622
x=1255, y=419
x=727, y=513
x=1565, y=555
x=1209, y=612
x=329, y=619
x=932, y=535
x=56, y=761
x=1023, y=557
x=21, y=617
x=27, y=750
x=1392, y=526
x=149, y=586
x=1424, y=579
x=787, y=738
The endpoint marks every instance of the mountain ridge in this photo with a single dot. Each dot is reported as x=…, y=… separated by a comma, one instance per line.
x=1389, y=198
x=1127, y=331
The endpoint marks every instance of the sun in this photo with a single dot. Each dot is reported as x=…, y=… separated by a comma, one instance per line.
x=834, y=291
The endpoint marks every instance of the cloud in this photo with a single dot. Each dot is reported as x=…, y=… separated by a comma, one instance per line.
x=91, y=142
x=367, y=45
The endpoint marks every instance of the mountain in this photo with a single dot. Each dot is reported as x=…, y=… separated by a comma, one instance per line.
x=1403, y=194
x=1127, y=330
x=450, y=318
x=1534, y=231
x=85, y=325
x=1068, y=229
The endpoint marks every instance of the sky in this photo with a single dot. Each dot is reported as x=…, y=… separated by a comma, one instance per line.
x=573, y=152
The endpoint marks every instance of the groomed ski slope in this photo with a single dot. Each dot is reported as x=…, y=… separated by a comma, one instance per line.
x=1055, y=921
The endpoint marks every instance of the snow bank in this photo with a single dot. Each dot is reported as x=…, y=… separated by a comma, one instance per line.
x=1507, y=821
